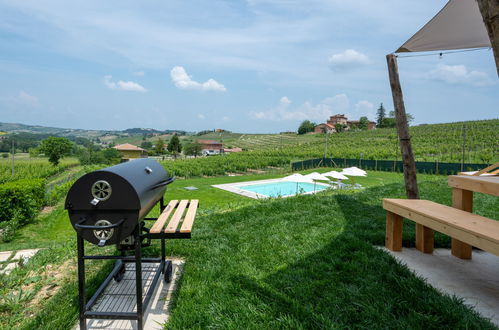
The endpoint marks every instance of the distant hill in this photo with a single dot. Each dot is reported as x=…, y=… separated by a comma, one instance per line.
x=72, y=132
x=141, y=131
x=36, y=129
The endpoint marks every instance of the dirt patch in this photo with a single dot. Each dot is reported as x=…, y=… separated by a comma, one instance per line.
x=255, y=171
x=54, y=276
x=47, y=209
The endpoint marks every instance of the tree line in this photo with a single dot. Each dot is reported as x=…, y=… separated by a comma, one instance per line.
x=383, y=120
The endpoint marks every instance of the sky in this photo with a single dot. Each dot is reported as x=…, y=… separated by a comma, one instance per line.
x=254, y=66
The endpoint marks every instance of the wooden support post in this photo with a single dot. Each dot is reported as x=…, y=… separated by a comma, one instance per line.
x=463, y=200
x=393, y=237
x=411, y=185
x=424, y=238
x=490, y=14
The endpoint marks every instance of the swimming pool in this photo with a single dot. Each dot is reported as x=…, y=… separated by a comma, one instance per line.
x=282, y=188
x=272, y=188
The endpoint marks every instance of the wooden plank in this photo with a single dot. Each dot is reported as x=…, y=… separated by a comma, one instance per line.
x=467, y=227
x=487, y=169
x=462, y=200
x=189, y=217
x=158, y=225
x=411, y=184
x=172, y=225
x=424, y=238
x=482, y=184
x=393, y=236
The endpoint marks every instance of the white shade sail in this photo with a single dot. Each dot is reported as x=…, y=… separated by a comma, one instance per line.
x=353, y=171
x=297, y=177
x=459, y=25
x=316, y=176
x=293, y=177
x=336, y=175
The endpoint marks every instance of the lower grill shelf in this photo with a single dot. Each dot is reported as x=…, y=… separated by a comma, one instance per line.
x=120, y=297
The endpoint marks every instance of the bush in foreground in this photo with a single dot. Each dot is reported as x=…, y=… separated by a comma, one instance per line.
x=19, y=203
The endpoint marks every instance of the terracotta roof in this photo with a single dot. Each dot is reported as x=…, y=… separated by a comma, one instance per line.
x=237, y=149
x=127, y=146
x=328, y=125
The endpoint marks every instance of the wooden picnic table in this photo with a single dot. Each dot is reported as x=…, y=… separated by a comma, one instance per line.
x=463, y=187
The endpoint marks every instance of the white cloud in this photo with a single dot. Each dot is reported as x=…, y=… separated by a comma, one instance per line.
x=123, y=85
x=348, y=60
x=459, y=74
x=364, y=108
x=225, y=118
x=27, y=99
x=316, y=112
x=320, y=112
x=183, y=81
x=139, y=73
x=201, y=116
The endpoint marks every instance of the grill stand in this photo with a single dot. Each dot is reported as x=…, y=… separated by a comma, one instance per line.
x=165, y=267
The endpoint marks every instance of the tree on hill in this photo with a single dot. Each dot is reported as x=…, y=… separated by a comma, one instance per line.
x=174, y=145
x=409, y=117
x=159, y=146
x=193, y=149
x=381, y=112
x=339, y=128
x=388, y=122
x=363, y=123
x=55, y=148
x=306, y=126
x=146, y=145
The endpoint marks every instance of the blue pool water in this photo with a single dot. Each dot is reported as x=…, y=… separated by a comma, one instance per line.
x=283, y=188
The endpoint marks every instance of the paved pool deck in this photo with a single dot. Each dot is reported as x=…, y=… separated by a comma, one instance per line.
x=475, y=280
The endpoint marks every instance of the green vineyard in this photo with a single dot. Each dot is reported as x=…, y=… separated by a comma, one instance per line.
x=32, y=168
x=471, y=142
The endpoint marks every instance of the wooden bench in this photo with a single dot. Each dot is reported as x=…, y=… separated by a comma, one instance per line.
x=178, y=222
x=467, y=227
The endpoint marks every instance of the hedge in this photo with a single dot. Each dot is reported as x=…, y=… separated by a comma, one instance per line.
x=19, y=203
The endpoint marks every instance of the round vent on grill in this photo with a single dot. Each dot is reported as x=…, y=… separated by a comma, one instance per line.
x=101, y=190
x=103, y=234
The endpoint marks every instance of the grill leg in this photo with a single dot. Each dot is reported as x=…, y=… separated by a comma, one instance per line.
x=138, y=277
x=163, y=250
x=81, y=282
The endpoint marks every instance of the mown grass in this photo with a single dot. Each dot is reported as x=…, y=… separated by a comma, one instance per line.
x=301, y=262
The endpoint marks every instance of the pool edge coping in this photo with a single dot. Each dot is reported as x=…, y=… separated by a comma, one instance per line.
x=235, y=188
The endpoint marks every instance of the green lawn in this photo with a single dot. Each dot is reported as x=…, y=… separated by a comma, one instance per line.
x=301, y=262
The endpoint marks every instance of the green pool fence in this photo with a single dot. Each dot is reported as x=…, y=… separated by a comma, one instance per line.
x=387, y=165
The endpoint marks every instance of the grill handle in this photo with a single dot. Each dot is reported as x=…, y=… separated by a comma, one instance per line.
x=163, y=183
x=117, y=224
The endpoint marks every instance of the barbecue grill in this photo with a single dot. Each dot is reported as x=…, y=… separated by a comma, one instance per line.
x=109, y=207
x=111, y=202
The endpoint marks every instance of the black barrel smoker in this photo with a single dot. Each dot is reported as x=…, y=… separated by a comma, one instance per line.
x=109, y=207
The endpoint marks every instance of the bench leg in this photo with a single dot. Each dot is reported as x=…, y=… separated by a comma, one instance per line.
x=460, y=249
x=393, y=237
x=463, y=200
x=424, y=239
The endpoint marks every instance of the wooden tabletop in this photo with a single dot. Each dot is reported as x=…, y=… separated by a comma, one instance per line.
x=483, y=184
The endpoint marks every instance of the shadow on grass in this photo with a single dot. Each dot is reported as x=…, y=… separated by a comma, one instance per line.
x=300, y=263
x=345, y=282
x=351, y=284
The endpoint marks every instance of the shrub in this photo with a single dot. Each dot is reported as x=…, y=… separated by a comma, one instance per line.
x=59, y=192
x=19, y=203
